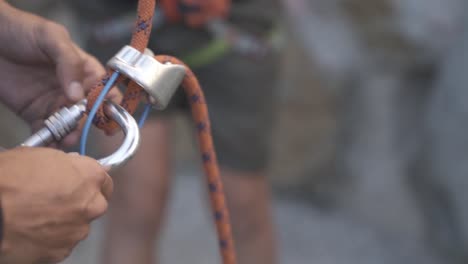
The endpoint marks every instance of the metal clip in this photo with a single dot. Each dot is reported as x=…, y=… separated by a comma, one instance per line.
x=63, y=122
x=159, y=80
x=131, y=131
x=57, y=126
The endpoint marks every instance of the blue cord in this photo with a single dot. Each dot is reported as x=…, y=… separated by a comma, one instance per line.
x=144, y=116
x=92, y=113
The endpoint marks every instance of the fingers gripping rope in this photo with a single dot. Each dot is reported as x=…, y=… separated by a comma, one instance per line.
x=195, y=96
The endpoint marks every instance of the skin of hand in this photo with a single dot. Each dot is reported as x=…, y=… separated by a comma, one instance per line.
x=48, y=197
x=48, y=200
x=41, y=68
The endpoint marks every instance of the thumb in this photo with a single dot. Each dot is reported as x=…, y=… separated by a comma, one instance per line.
x=59, y=47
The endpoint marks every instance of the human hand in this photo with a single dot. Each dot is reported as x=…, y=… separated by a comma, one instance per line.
x=41, y=68
x=195, y=13
x=48, y=200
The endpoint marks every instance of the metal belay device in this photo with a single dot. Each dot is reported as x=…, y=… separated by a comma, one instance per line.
x=160, y=81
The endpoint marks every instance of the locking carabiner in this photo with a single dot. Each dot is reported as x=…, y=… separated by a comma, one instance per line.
x=63, y=122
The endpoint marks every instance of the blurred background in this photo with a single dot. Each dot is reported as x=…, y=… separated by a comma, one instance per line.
x=367, y=159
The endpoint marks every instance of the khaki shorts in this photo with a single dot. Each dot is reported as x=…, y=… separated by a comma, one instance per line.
x=240, y=92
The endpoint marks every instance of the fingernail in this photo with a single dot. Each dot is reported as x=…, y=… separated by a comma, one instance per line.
x=75, y=91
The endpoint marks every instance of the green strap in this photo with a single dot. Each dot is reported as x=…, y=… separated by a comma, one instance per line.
x=218, y=48
x=208, y=54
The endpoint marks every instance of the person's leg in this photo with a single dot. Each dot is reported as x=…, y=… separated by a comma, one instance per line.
x=137, y=208
x=241, y=122
x=249, y=202
x=241, y=97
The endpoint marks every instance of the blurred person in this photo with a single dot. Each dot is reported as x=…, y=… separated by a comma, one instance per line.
x=240, y=93
x=48, y=198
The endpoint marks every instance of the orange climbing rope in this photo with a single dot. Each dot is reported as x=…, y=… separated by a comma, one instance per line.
x=134, y=93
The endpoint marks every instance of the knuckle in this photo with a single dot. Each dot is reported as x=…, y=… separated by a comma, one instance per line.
x=77, y=61
x=58, y=255
x=82, y=233
x=103, y=207
x=90, y=169
x=85, y=232
x=57, y=30
x=76, y=168
x=97, y=208
x=41, y=29
x=101, y=176
x=74, y=60
x=50, y=31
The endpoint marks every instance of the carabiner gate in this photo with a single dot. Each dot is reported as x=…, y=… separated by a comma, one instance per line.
x=63, y=122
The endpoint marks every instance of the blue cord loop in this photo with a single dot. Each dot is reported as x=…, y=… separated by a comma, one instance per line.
x=144, y=116
x=84, y=135
x=87, y=127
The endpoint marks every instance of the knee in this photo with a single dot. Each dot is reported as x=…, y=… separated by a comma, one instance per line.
x=249, y=205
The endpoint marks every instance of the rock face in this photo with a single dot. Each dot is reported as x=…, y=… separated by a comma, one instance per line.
x=400, y=136
x=305, y=134
x=444, y=158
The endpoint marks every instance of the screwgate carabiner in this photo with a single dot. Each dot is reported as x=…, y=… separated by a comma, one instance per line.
x=63, y=122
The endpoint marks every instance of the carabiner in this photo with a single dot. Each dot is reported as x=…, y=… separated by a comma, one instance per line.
x=63, y=122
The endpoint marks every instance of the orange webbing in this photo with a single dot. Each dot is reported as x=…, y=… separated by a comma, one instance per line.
x=200, y=116
x=140, y=39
